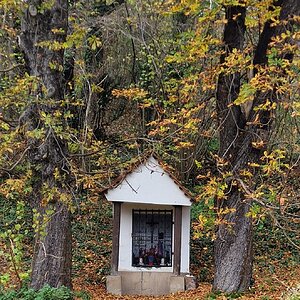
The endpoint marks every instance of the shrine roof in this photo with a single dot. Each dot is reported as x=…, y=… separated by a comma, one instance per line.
x=144, y=182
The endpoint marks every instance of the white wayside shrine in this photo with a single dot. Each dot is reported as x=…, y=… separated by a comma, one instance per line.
x=151, y=232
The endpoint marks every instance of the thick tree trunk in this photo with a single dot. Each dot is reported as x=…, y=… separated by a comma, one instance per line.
x=48, y=156
x=53, y=244
x=52, y=260
x=230, y=117
x=233, y=246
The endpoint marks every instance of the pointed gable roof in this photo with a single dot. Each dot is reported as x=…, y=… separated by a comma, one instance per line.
x=149, y=182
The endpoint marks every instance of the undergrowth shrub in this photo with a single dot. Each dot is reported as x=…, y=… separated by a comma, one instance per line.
x=293, y=294
x=92, y=232
x=16, y=238
x=275, y=244
x=201, y=246
x=46, y=293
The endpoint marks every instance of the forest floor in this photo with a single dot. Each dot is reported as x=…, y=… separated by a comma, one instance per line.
x=270, y=282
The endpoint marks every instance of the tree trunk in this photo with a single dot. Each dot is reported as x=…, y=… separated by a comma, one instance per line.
x=48, y=156
x=233, y=246
x=233, y=257
x=52, y=259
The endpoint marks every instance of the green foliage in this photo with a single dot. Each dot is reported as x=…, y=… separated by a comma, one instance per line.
x=276, y=244
x=247, y=93
x=46, y=293
x=217, y=295
x=293, y=293
x=40, y=221
x=265, y=298
x=212, y=296
x=15, y=234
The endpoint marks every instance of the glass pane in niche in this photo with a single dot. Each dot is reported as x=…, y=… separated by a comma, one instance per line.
x=152, y=238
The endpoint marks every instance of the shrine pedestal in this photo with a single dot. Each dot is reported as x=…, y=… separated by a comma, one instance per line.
x=145, y=283
x=177, y=283
x=114, y=285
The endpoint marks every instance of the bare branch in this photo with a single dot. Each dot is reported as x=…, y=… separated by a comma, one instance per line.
x=11, y=68
x=17, y=162
x=261, y=202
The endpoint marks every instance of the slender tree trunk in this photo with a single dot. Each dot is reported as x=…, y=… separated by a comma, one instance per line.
x=233, y=246
x=48, y=156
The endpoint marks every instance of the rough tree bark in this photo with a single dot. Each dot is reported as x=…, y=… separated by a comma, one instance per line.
x=233, y=246
x=52, y=252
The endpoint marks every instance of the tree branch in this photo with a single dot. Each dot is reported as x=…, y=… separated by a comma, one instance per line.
x=11, y=68
x=17, y=162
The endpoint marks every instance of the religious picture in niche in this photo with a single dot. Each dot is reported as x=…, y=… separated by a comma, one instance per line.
x=152, y=238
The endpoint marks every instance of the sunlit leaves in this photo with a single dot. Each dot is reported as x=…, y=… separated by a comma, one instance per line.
x=214, y=188
x=131, y=94
x=273, y=162
x=247, y=93
x=17, y=93
x=236, y=61
x=189, y=7
x=255, y=212
x=94, y=42
x=259, y=12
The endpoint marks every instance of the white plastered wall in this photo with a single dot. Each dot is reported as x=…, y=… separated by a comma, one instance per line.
x=125, y=246
x=149, y=183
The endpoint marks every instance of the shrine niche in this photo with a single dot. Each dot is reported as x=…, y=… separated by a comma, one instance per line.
x=151, y=238
x=151, y=232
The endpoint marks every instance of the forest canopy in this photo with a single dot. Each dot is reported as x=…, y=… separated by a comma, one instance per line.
x=88, y=88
